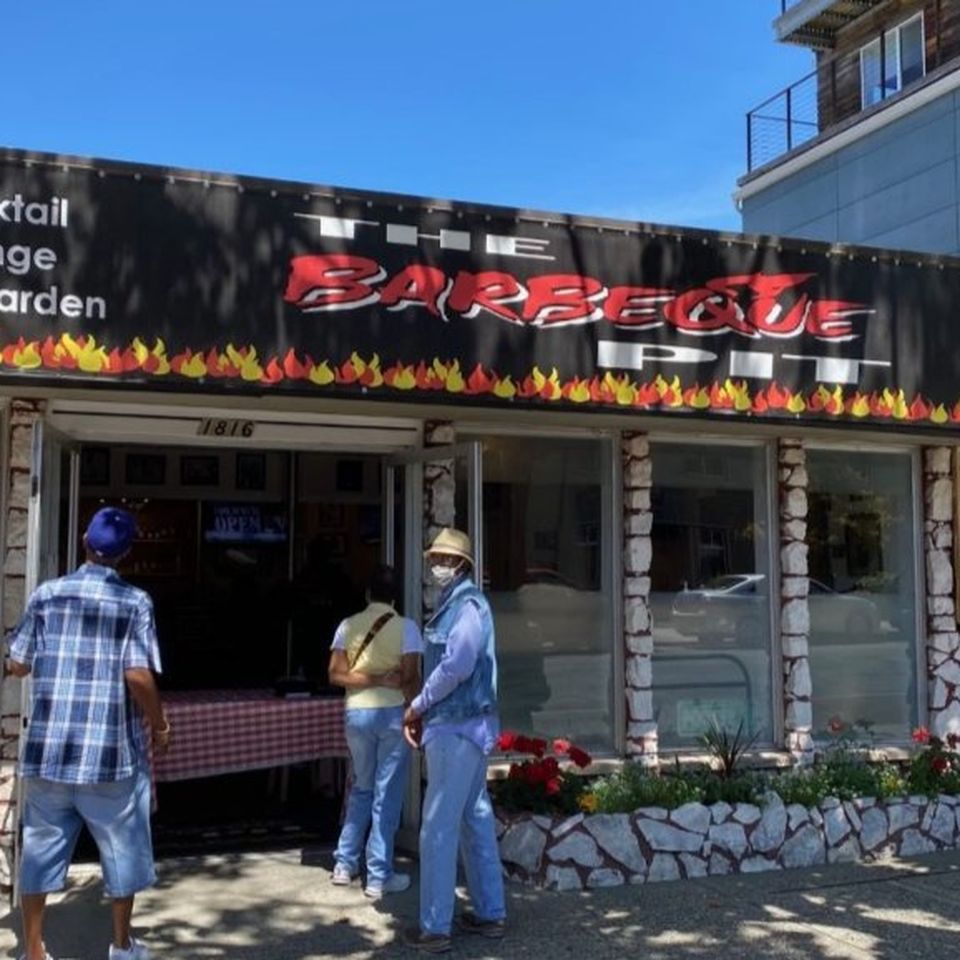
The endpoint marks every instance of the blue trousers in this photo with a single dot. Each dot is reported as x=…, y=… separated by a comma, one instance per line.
x=380, y=758
x=457, y=815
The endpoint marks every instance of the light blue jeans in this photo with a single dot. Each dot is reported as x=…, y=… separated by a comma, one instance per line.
x=457, y=813
x=380, y=759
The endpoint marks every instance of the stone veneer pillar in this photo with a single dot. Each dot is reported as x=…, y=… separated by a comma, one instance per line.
x=439, y=489
x=637, y=626
x=942, y=640
x=23, y=414
x=794, y=607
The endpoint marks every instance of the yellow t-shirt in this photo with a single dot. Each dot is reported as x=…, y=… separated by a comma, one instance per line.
x=382, y=654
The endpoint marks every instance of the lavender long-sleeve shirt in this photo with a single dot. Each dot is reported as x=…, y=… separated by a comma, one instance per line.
x=464, y=645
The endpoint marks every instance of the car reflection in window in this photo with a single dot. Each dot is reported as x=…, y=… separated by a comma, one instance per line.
x=735, y=607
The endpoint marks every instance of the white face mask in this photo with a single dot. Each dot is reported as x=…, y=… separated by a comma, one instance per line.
x=442, y=574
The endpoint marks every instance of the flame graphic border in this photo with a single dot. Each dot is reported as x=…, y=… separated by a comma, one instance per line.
x=83, y=354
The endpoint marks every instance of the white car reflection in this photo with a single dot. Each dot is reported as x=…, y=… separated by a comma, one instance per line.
x=736, y=605
x=548, y=614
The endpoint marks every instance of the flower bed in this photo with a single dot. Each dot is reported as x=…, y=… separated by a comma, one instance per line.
x=567, y=850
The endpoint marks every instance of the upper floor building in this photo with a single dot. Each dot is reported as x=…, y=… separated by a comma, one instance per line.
x=866, y=148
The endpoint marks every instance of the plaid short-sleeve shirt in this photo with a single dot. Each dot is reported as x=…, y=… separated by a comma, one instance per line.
x=79, y=634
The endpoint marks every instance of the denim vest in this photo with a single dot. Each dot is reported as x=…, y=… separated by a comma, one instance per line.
x=477, y=695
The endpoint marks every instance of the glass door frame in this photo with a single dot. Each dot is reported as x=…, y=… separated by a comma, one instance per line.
x=412, y=463
x=48, y=445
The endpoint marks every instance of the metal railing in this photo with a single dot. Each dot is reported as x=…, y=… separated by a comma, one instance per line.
x=788, y=119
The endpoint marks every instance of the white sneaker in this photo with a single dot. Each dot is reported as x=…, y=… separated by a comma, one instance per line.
x=396, y=883
x=136, y=951
x=342, y=877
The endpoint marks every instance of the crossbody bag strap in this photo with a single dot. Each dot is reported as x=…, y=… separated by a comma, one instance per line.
x=378, y=625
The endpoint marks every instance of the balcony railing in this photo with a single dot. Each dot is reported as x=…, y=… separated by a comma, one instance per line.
x=788, y=119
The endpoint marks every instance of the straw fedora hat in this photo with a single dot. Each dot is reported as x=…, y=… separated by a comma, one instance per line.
x=452, y=543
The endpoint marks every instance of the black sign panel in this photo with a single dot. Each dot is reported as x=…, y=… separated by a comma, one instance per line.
x=167, y=280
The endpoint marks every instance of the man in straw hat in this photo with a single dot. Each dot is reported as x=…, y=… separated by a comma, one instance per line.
x=457, y=709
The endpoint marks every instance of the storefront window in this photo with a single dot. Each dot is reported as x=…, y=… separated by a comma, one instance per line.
x=547, y=526
x=861, y=533
x=710, y=591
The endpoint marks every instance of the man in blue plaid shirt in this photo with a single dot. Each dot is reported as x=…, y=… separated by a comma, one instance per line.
x=89, y=641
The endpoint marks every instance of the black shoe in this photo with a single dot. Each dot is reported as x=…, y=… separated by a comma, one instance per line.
x=427, y=942
x=469, y=922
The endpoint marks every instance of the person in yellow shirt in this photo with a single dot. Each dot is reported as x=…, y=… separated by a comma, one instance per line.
x=375, y=656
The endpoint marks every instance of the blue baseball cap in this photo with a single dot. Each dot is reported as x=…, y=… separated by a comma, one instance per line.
x=110, y=532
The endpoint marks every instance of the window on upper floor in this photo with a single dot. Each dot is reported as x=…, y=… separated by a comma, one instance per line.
x=903, y=61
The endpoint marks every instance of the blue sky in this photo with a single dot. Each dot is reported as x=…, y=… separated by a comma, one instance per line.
x=621, y=108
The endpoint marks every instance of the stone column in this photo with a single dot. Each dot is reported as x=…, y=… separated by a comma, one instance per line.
x=637, y=627
x=23, y=414
x=439, y=489
x=794, y=608
x=943, y=640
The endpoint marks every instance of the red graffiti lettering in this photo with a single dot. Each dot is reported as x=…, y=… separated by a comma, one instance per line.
x=563, y=298
x=489, y=290
x=830, y=319
x=752, y=305
x=414, y=286
x=332, y=281
x=635, y=306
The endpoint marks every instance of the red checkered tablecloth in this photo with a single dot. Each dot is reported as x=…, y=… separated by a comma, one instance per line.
x=228, y=731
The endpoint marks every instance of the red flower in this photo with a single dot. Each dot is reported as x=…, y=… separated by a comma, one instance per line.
x=550, y=765
x=580, y=757
x=561, y=747
x=507, y=740
x=538, y=746
x=553, y=786
x=921, y=735
x=536, y=773
x=836, y=725
x=516, y=772
x=939, y=764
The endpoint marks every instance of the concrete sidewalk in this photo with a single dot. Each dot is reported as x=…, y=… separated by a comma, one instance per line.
x=269, y=907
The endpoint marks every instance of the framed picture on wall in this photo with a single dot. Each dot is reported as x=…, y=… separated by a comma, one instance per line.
x=146, y=469
x=251, y=471
x=200, y=471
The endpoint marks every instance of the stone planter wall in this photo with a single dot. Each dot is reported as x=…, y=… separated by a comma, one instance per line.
x=652, y=844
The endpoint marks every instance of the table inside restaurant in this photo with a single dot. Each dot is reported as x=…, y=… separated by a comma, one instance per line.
x=215, y=732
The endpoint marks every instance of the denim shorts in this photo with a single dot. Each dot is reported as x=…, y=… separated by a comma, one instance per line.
x=117, y=815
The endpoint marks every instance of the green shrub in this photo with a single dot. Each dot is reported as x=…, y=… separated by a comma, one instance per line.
x=633, y=787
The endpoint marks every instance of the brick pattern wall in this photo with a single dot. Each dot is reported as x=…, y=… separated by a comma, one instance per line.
x=23, y=414
x=637, y=627
x=794, y=607
x=943, y=640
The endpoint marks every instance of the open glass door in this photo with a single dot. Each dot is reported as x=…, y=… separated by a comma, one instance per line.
x=51, y=538
x=432, y=469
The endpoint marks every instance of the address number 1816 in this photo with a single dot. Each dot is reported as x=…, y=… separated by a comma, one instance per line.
x=213, y=427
